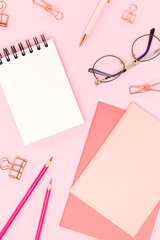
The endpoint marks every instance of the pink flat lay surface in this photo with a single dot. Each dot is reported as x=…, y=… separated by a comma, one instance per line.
x=111, y=35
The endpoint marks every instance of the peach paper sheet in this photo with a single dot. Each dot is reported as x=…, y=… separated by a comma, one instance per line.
x=122, y=180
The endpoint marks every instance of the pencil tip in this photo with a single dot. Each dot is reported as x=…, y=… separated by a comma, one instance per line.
x=50, y=185
x=49, y=162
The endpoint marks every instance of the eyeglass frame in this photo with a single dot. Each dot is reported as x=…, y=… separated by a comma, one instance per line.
x=143, y=57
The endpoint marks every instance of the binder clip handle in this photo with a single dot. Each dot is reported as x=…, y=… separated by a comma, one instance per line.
x=133, y=8
x=5, y=163
x=3, y=5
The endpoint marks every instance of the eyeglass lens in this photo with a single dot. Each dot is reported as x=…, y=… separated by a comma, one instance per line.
x=140, y=47
x=107, y=68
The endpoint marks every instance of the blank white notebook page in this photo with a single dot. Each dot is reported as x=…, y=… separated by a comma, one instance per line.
x=39, y=94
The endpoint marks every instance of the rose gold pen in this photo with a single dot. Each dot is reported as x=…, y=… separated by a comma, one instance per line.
x=93, y=20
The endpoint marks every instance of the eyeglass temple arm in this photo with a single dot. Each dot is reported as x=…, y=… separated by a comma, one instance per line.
x=149, y=44
x=92, y=70
x=107, y=75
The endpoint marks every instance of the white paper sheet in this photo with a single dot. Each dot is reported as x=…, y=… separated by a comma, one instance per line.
x=39, y=94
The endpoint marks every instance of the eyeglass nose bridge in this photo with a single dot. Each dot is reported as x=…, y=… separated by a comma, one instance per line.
x=97, y=82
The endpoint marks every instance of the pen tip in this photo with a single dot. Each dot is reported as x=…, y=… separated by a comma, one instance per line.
x=50, y=181
x=81, y=43
x=84, y=38
x=50, y=159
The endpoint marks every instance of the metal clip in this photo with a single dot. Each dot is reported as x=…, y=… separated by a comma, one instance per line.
x=49, y=8
x=15, y=168
x=129, y=15
x=3, y=17
x=144, y=88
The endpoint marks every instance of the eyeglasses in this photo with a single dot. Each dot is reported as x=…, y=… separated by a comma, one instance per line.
x=110, y=67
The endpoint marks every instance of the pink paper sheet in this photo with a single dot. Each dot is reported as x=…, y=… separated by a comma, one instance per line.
x=80, y=217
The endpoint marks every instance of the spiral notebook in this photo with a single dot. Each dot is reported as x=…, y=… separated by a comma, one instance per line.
x=38, y=91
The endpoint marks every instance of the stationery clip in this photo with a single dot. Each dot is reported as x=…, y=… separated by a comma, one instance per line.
x=144, y=88
x=129, y=15
x=15, y=168
x=49, y=8
x=3, y=17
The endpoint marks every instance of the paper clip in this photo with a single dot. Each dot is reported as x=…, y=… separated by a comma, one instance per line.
x=129, y=15
x=15, y=168
x=3, y=17
x=49, y=8
x=144, y=88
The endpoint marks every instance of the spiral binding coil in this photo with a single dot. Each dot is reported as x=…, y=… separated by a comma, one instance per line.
x=20, y=45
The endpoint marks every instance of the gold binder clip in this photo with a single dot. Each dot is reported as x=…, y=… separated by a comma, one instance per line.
x=15, y=168
x=129, y=15
x=3, y=17
x=49, y=8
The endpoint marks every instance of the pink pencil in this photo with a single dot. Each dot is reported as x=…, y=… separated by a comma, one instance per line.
x=24, y=199
x=44, y=209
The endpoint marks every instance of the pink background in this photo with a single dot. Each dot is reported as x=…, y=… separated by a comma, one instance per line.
x=111, y=35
